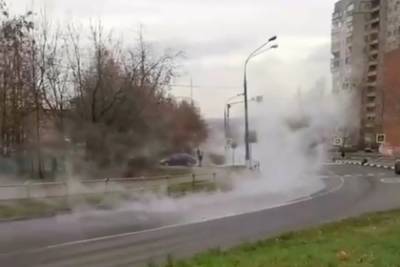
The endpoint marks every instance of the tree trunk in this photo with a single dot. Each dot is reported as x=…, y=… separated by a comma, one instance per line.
x=38, y=145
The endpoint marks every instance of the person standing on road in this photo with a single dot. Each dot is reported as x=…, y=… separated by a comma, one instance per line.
x=200, y=156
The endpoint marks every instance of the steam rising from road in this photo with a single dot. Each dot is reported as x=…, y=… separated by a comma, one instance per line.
x=293, y=139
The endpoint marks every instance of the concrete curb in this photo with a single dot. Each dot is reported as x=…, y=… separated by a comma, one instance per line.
x=374, y=165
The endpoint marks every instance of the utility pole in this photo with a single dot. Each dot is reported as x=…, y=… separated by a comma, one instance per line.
x=191, y=89
x=228, y=117
x=246, y=119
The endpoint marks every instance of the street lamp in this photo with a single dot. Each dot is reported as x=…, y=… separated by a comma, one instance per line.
x=226, y=113
x=230, y=144
x=255, y=53
x=229, y=105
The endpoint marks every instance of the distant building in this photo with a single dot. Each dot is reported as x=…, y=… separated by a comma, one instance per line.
x=391, y=76
x=366, y=62
x=348, y=57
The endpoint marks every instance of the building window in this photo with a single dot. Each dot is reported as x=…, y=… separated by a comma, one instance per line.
x=350, y=8
x=365, y=6
x=350, y=28
x=372, y=79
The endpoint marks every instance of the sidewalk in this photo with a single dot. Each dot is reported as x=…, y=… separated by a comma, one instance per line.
x=377, y=161
x=373, y=159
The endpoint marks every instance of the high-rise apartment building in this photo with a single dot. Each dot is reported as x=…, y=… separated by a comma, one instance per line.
x=366, y=62
x=348, y=57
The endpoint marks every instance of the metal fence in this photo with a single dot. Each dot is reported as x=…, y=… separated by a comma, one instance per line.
x=31, y=190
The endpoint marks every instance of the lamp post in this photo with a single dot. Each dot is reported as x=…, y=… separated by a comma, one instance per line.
x=226, y=114
x=228, y=107
x=255, y=53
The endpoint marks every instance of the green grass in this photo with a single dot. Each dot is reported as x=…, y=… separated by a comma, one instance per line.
x=371, y=240
x=179, y=190
x=172, y=171
x=35, y=208
x=197, y=186
x=27, y=208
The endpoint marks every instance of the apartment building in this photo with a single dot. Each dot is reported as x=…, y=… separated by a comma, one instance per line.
x=368, y=66
x=348, y=58
x=391, y=77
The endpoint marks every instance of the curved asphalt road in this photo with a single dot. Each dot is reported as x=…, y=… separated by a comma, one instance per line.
x=351, y=190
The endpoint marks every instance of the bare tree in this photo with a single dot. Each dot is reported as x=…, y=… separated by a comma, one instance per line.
x=54, y=73
x=15, y=75
x=111, y=98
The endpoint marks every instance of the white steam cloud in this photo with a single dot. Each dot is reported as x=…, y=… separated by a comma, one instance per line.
x=294, y=136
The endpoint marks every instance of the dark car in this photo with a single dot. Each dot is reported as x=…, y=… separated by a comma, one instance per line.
x=181, y=159
x=397, y=166
x=368, y=150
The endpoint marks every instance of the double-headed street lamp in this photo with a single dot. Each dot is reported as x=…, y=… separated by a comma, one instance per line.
x=254, y=54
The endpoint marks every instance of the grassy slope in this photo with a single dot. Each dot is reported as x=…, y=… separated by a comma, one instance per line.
x=371, y=240
x=34, y=208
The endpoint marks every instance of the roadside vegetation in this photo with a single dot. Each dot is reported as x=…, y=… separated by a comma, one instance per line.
x=76, y=100
x=371, y=240
x=37, y=208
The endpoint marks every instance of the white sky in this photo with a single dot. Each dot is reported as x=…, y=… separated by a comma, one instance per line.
x=217, y=36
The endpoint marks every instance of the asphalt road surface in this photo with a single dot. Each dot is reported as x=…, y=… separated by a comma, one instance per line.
x=350, y=191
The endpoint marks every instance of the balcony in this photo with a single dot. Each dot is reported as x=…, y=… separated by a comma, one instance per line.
x=372, y=73
x=373, y=52
x=335, y=33
x=373, y=41
x=335, y=47
x=371, y=105
x=375, y=8
x=369, y=125
x=374, y=31
x=375, y=20
x=335, y=64
x=336, y=15
x=371, y=83
x=372, y=62
x=373, y=58
x=371, y=94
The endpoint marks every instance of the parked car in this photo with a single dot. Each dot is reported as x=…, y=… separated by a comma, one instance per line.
x=397, y=166
x=181, y=159
x=368, y=150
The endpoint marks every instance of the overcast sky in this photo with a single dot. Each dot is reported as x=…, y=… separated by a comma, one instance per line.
x=216, y=36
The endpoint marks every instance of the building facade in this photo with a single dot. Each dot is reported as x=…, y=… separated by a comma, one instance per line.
x=370, y=65
x=348, y=60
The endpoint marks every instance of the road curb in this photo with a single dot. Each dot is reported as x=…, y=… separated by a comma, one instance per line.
x=374, y=165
